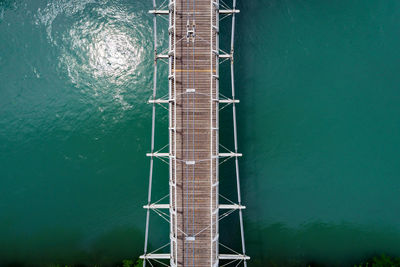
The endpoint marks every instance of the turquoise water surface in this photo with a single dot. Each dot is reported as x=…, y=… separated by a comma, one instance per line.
x=319, y=126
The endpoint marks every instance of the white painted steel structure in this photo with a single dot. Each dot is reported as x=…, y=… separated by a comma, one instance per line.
x=216, y=54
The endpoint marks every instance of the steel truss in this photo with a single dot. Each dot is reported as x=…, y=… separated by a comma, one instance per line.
x=216, y=54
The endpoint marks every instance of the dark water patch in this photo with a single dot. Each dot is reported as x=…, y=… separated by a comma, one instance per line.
x=320, y=243
x=65, y=246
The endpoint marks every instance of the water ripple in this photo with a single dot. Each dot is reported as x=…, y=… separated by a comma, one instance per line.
x=103, y=49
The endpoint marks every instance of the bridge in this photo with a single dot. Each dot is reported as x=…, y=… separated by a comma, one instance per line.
x=193, y=103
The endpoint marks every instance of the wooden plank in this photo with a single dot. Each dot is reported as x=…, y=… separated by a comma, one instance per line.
x=196, y=141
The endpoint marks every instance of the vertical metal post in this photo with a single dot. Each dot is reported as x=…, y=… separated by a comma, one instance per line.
x=171, y=182
x=235, y=133
x=174, y=150
x=175, y=165
x=217, y=133
x=211, y=130
x=152, y=132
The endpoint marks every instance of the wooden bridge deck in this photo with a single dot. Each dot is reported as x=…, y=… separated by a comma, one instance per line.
x=194, y=143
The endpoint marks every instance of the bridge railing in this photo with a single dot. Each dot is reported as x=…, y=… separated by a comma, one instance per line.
x=215, y=206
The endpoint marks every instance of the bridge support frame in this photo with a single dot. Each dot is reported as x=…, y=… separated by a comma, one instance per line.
x=215, y=55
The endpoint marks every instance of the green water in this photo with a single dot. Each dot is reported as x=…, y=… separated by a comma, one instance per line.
x=319, y=125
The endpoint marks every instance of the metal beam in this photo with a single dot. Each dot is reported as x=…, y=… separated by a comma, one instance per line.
x=157, y=154
x=157, y=256
x=159, y=12
x=221, y=206
x=225, y=56
x=166, y=12
x=166, y=101
x=153, y=127
x=230, y=154
x=231, y=207
x=229, y=11
x=233, y=257
x=159, y=101
x=167, y=256
x=220, y=155
x=229, y=101
x=162, y=56
x=156, y=206
x=235, y=133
